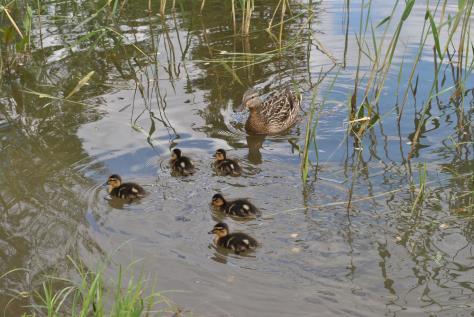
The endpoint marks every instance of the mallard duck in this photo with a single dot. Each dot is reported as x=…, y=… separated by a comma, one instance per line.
x=226, y=166
x=181, y=164
x=128, y=191
x=237, y=241
x=275, y=114
x=237, y=208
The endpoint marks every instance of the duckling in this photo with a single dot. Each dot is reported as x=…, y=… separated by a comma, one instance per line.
x=238, y=208
x=181, y=164
x=275, y=114
x=238, y=241
x=226, y=166
x=128, y=191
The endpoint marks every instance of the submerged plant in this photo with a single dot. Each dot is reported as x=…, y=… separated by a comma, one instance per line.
x=421, y=190
x=246, y=8
x=15, y=36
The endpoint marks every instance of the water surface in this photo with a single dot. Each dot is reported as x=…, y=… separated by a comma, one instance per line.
x=160, y=83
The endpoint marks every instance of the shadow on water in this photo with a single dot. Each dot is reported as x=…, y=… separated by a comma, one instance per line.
x=365, y=228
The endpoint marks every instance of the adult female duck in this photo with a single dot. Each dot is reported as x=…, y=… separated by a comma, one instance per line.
x=274, y=114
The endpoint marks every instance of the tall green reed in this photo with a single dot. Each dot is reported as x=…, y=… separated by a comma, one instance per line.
x=315, y=112
x=378, y=44
x=459, y=25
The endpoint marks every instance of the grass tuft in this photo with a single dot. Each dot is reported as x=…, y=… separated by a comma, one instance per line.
x=92, y=294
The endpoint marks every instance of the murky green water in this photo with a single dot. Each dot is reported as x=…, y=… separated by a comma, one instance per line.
x=158, y=84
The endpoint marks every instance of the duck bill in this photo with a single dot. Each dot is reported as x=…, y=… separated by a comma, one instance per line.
x=212, y=231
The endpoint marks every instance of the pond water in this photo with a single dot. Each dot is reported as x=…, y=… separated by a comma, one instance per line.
x=173, y=81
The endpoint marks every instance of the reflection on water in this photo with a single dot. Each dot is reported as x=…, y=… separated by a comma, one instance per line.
x=255, y=143
x=166, y=82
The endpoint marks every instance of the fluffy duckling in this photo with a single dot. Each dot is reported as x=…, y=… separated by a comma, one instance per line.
x=226, y=166
x=237, y=242
x=181, y=164
x=272, y=115
x=128, y=191
x=238, y=208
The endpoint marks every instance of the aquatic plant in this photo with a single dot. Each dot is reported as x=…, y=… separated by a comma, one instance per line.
x=15, y=35
x=92, y=293
x=153, y=53
x=372, y=38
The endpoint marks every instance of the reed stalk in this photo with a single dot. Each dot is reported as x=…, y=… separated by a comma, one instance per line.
x=313, y=121
x=421, y=187
x=6, y=11
x=163, y=8
x=234, y=24
x=248, y=7
x=463, y=14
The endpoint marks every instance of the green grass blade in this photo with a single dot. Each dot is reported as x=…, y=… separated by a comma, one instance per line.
x=383, y=22
x=407, y=10
x=435, y=32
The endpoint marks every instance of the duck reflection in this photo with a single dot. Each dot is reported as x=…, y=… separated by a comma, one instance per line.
x=217, y=255
x=116, y=203
x=255, y=143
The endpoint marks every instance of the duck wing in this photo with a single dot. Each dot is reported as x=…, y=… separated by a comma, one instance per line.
x=238, y=242
x=129, y=190
x=243, y=240
x=184, y=166
x=281, y=107
x=229, y=167
x=242, y=208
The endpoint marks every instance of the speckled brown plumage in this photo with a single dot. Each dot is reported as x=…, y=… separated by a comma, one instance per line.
x=275, y=114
